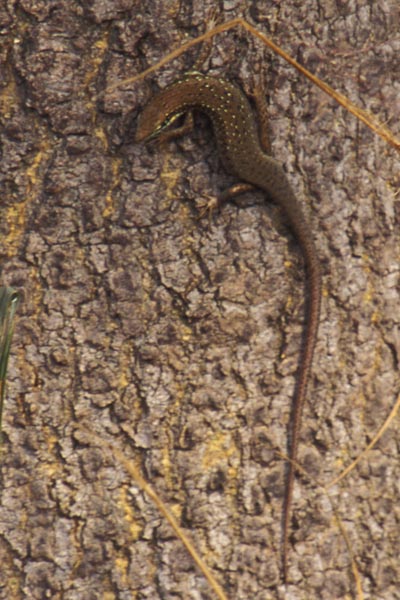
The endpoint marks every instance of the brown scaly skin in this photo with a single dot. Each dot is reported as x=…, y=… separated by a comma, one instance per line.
x=242, y=155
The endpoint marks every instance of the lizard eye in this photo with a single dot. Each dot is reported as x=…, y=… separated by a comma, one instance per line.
x=164, y=125
x=169, y=121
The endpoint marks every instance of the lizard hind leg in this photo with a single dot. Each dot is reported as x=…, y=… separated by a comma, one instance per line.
x=213, y=203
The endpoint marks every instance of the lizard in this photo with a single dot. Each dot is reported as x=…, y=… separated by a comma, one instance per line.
x=245, y=154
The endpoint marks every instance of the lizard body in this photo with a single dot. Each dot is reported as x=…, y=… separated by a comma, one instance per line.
x=243, y=156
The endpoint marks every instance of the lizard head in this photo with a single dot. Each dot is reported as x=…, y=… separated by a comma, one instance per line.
x=169, y=104
x=157, y=115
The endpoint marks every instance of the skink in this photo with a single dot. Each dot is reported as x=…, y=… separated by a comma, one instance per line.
x=242, y=155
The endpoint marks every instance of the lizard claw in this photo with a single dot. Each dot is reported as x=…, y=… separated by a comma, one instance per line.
x=209, y=206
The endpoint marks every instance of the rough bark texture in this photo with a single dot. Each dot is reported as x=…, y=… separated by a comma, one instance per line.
x=177, y=338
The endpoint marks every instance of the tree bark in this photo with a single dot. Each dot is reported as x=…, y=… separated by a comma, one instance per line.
x=177, y=337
